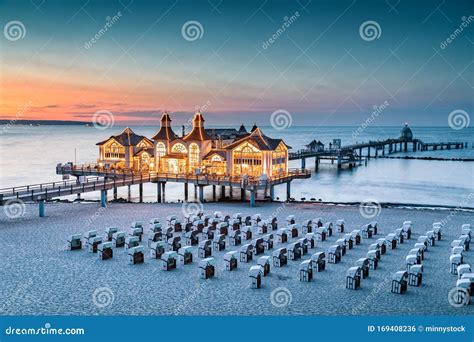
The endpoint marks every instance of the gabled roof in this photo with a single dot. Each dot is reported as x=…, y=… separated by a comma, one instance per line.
x=126, y=138
x=221, y=153
x=314, y=143
x=257, y=138
x=149, y=150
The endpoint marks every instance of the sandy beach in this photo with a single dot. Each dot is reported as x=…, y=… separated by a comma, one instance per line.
x=40, y=277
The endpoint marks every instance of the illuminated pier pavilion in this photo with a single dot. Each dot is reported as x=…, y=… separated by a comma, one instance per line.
x=231, y=158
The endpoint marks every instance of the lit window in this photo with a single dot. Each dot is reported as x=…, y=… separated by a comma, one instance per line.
x=193, y=156
x=160, y=149
x=179, y=148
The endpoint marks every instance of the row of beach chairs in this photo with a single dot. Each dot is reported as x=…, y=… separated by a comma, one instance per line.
x=465, y=277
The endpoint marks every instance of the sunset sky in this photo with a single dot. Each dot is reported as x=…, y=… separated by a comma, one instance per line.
x=319, y=69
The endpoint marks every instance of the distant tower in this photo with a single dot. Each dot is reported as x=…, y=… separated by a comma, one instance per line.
x=406, y=133
x=254, y=127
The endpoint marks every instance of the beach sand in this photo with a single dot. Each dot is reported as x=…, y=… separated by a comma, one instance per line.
x=40, y=277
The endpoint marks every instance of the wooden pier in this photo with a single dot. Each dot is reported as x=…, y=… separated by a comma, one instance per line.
x=355, y=153
x=95, y=178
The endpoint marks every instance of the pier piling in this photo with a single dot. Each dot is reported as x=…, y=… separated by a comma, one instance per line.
x=252, y=198
x=158, y=192
x=201, y=193
x=103, y=199
x=164, y=192
x=129, y=196
x=140, y=192
x=272, y=192
x=41, y=208
x=186, y=192
x=288, y=190
x=214, y=196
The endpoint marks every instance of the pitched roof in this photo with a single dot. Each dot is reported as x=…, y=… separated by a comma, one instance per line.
x=314, y=143
x=165, y=132
x=126, y=138
x=149, y=150
x=221, y=153
x=259, y=140
x=198, y=133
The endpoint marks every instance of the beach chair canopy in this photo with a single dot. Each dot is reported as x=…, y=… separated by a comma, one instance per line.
x=237, y=216
x=327, y=225
x=136, y=231
x=306, y=223
x=334, y=248
x=205, y=244
x=90, y=233
x=294, y=246
x=174, y=239
x=118, y=235
x=74, y=237
x=463, y=284
x=222, y=225
x=135, y=250
x=255, y=271
x=246, y=248
x=137, y=224
x=256, y=217
x=381, y=241
x=303, y=241
x=171, y=218
x=290, y=218
x=466, y=226
x=217, y=214
x=154, y=220
x=263, y=223
x=206, y=262
x=362, y=262
x=268, y=237
x=111, y=230
x=407, y=223
x=420, y=246
x=279, y=251
x=469, y=276
x=185, y=250
x=416, y=269
x=353, y=271
x=411, y=259
x=456, y=243
x=263, y=260
x=430, y=234
x=398, y=231
x=422, y=239
x=169, y=255
x=230, y=255
x=234, y=233
x=464, y=268
x=282, y=231
x=372, y=254
x=96, y=239
x=399, y=276
x=455, y=259
x=341, y=242
x=306, y=265
x=257, y=241
x=132, y=238
x=355, y=233
x=365, y=228
x=318, y=220
x=373, y=224
x=340, y=222
x=318, y=256
x=310, y=236
x=374, y=247
x=415, y=251
x=105, y=245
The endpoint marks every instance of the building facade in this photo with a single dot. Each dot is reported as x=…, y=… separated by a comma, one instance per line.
x=223, y=152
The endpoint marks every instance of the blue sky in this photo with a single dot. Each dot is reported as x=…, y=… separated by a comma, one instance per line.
x=320, y=69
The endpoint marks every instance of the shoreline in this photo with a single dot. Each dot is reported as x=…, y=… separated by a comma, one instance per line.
x=391, y=205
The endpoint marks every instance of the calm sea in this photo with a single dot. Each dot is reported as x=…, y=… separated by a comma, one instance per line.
x=29, y=155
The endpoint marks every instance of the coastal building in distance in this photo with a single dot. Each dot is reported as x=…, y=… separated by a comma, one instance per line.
x=228, y=151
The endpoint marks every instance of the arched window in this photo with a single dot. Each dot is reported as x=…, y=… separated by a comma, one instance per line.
x=142, y=144
x=179, y=148
x=160, y=150
x=193, y=156
x=248, y=160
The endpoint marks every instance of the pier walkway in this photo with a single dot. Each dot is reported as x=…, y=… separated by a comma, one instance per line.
x=95, y=178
